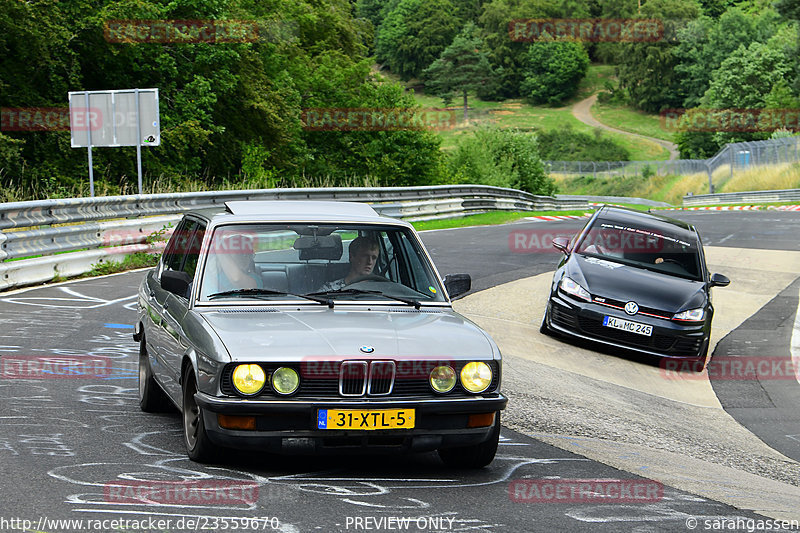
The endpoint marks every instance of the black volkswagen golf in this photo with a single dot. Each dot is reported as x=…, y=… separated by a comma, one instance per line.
x=637, y=281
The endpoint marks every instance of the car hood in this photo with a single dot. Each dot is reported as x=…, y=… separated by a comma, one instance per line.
x=609, y=279
x=265, y=334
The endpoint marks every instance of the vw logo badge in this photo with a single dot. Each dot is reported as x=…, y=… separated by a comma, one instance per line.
x=631, y=308
x=367, y=349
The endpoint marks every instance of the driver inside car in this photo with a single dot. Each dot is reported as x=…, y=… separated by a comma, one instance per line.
x=363, y=256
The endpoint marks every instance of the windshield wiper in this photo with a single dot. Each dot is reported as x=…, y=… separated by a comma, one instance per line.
x=408, y=301
x=269, y=292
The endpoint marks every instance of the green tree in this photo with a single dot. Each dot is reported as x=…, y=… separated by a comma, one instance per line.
x=790, y=10
x=647, y=69
x=553, y=71
x=745, y=80
x=502, y=158
x=704, y=44
x=414, y=34
x=463, y=67
x=715, y=8
x=506, y=52
x=226, y=107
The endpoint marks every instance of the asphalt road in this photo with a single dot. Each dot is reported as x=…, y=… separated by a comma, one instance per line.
x=68, y=444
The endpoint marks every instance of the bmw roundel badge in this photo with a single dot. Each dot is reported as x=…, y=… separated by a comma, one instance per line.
x=367, y=349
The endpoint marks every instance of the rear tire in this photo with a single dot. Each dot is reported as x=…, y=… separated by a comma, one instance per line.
x=151, y=398
x=199, y=447
x=476, y=456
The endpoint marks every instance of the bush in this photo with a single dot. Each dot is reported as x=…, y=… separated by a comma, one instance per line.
x=502, y=158
x=567, y=144
x=552, y=71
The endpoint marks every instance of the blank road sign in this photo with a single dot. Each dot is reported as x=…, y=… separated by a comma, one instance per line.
x=112, y=120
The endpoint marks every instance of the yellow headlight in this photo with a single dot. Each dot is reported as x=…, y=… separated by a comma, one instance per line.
x=285, y=380
x=249, y=379
x=476, y=376
x=443, y=378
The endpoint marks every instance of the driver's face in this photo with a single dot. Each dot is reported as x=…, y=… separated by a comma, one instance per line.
x=363, y=261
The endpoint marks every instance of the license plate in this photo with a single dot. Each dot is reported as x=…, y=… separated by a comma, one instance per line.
x=365, y=419
x=627, y=325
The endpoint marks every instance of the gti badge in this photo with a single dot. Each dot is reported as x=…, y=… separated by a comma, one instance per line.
x=631, y=308
x=370, y=349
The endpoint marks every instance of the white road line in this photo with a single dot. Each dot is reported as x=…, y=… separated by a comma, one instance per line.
x=794, y=346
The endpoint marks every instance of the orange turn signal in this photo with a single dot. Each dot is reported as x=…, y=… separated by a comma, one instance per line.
x=236, y=422
x=480, y=421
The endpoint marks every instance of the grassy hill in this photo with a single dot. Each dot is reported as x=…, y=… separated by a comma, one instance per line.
x=516, y=113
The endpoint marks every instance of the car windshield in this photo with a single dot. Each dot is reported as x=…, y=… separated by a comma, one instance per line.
x=317, y=263
x=675, y=253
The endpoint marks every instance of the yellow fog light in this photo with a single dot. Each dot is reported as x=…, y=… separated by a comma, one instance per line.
x=249, y=379
x=443, y=378
x=285, y=380
x=476, y=376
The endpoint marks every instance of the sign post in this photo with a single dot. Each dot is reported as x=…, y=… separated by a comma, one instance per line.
x=128, y=117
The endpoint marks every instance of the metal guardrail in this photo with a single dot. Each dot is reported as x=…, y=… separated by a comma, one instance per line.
x=614, y=199
x=114, y=226
x=785, y=195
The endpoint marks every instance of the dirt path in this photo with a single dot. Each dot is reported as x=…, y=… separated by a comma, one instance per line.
x=582, y=111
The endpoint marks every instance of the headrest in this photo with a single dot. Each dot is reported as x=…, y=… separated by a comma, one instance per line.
x=320, y=247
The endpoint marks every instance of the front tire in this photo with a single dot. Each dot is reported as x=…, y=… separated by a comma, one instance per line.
x=476, y=456
x=199, y=447
x=151, y=398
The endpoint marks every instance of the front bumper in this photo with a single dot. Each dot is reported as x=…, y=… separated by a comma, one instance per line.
x=670, y=339
x=288, y=426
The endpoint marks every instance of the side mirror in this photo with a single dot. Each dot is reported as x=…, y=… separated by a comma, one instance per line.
x=562, y=243
x=719, y=280
x=457, y=284
x=176, y=282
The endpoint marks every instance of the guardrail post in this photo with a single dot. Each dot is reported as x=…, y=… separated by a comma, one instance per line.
x=731, y=158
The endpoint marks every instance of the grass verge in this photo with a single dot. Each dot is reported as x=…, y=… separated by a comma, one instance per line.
x=130, y=262
x=627, y=119
x=487, y=219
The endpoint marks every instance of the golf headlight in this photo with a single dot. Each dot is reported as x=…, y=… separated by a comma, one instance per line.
x=443, y=378
x=476, y=376
x=690, y=315
x=249, y=379
x=285, y=380
x=574, y=289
